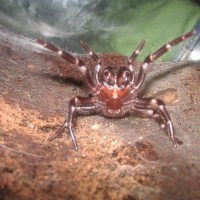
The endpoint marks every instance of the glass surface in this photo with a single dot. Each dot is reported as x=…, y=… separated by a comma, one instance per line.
x=107, y=26
x=190, y=50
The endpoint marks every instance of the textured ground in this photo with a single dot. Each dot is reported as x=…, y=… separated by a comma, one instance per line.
x=125, y=159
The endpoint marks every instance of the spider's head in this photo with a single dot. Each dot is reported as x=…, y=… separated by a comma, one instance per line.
x=112, y=77
x=119, y=77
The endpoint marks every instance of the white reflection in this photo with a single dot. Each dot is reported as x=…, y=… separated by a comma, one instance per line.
x=195, y=55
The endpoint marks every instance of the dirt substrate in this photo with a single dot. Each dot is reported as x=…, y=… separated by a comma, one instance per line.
x=119, y=159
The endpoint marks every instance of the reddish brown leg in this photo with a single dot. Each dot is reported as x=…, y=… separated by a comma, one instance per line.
x=77, y=105
x=133, y=57
x=155, y=108
x=96, y=58
x=70, y=58
x=61, y=53
x=150, y=58
x=136, y=53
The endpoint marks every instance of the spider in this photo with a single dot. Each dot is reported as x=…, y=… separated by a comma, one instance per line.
x=115, y=89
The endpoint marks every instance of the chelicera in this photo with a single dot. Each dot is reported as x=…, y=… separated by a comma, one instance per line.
x=115, y=89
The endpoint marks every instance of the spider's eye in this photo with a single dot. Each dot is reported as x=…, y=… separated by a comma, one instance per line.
x=124, y=77
x=108, y=76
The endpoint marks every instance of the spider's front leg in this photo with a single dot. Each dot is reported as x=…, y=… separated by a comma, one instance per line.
x=155, y=108
x=152, y=57
x=73, y=60
x=77, y=105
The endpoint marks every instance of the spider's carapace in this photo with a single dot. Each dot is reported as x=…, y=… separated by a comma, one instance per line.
x=115, y=89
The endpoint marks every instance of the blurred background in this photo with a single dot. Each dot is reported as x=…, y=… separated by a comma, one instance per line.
x=107, y=26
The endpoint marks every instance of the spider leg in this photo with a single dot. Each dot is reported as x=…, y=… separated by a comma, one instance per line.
x=93, y=55
x=67, y=56
x=70, y=58
x=136, y=53
x=96, y=58
x=77, y=105
x=155, y=108
x=152, y=57
x=58, y=133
